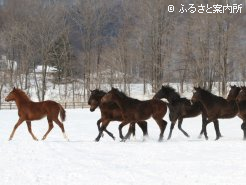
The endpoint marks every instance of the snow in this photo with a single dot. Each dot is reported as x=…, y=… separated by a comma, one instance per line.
x=50, y=69
x=180, y=161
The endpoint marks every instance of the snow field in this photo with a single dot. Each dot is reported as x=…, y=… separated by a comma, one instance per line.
x=180, y=161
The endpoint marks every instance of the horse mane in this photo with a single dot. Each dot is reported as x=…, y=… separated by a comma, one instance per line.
x=21, y=94
x=123, y=95
x=172, y=92
x=101, y=92
x=208, y=93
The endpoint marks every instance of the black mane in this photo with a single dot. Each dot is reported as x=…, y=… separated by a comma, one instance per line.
x=124, y=96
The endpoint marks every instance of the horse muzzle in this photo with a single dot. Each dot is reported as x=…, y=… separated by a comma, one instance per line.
x=92, y=109
x=7, y=100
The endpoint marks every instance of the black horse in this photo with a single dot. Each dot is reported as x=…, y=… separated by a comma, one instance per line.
x=180, y=108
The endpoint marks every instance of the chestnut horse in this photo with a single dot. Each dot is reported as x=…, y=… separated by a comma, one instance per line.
x=111, y=112
x=29, y=111
x=134, y=110
x=180, y=108
x=216, y=107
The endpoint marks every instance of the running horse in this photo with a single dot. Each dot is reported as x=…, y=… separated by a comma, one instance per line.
x=241, y=102
x=111, y=112
x=180, y=108
x=29, y=111
x=134, y=110
x=216, y=107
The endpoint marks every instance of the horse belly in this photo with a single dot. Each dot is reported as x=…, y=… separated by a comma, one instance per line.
x=36, y=114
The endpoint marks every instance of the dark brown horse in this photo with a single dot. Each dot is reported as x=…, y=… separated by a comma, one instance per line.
x=233, y=93
x=241, y=102
x=111, y=112
x=242, y=94
x=180, y=108
x=29, y=111
x=134, y=110
x=216, y=107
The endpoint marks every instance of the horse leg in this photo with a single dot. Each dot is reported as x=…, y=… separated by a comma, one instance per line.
x=131, y=130
x=102, y=128
x=120, y=130
x=162, y=125
x=60, y=124
x=171, y=130
x=217, y=129
x=243, y=127
x=15, y=127
x=180, y=127
x=204, y=129
x=204, y=120
x=144, y=127
x=98, y=125
x=109, y=133
x=51, y=126
x=29, y=127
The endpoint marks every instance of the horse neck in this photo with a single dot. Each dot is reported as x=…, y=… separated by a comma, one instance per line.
x=100, y=97
x=121, y=103
x=19, y=101
x=173, y=97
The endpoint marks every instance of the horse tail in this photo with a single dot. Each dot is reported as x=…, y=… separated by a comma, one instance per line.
x=62, y=113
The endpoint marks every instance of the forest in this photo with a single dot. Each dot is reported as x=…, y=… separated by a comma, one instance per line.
x=90, y=43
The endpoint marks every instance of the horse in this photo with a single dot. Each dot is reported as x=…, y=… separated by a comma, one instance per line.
x=111, y=112
x=134, y=110
x=180, y=108
x=241, y=102
x=233, y=93
x=216, y=107
x=242, y=94
x=29, y=111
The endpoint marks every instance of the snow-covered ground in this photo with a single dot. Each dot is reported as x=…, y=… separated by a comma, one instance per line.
x=180, y=161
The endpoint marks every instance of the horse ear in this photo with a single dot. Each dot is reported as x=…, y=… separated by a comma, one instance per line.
x=195, y=88
x=14, y=88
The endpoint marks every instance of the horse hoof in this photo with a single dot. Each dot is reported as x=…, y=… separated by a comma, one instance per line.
x=97, y=139
x=160, y=140
x=187, y=135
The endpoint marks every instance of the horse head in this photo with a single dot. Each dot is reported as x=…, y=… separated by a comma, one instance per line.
x=95, y=99
x=11, y=95
x=233, y=93
x=196, y=94
x=242, y=94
